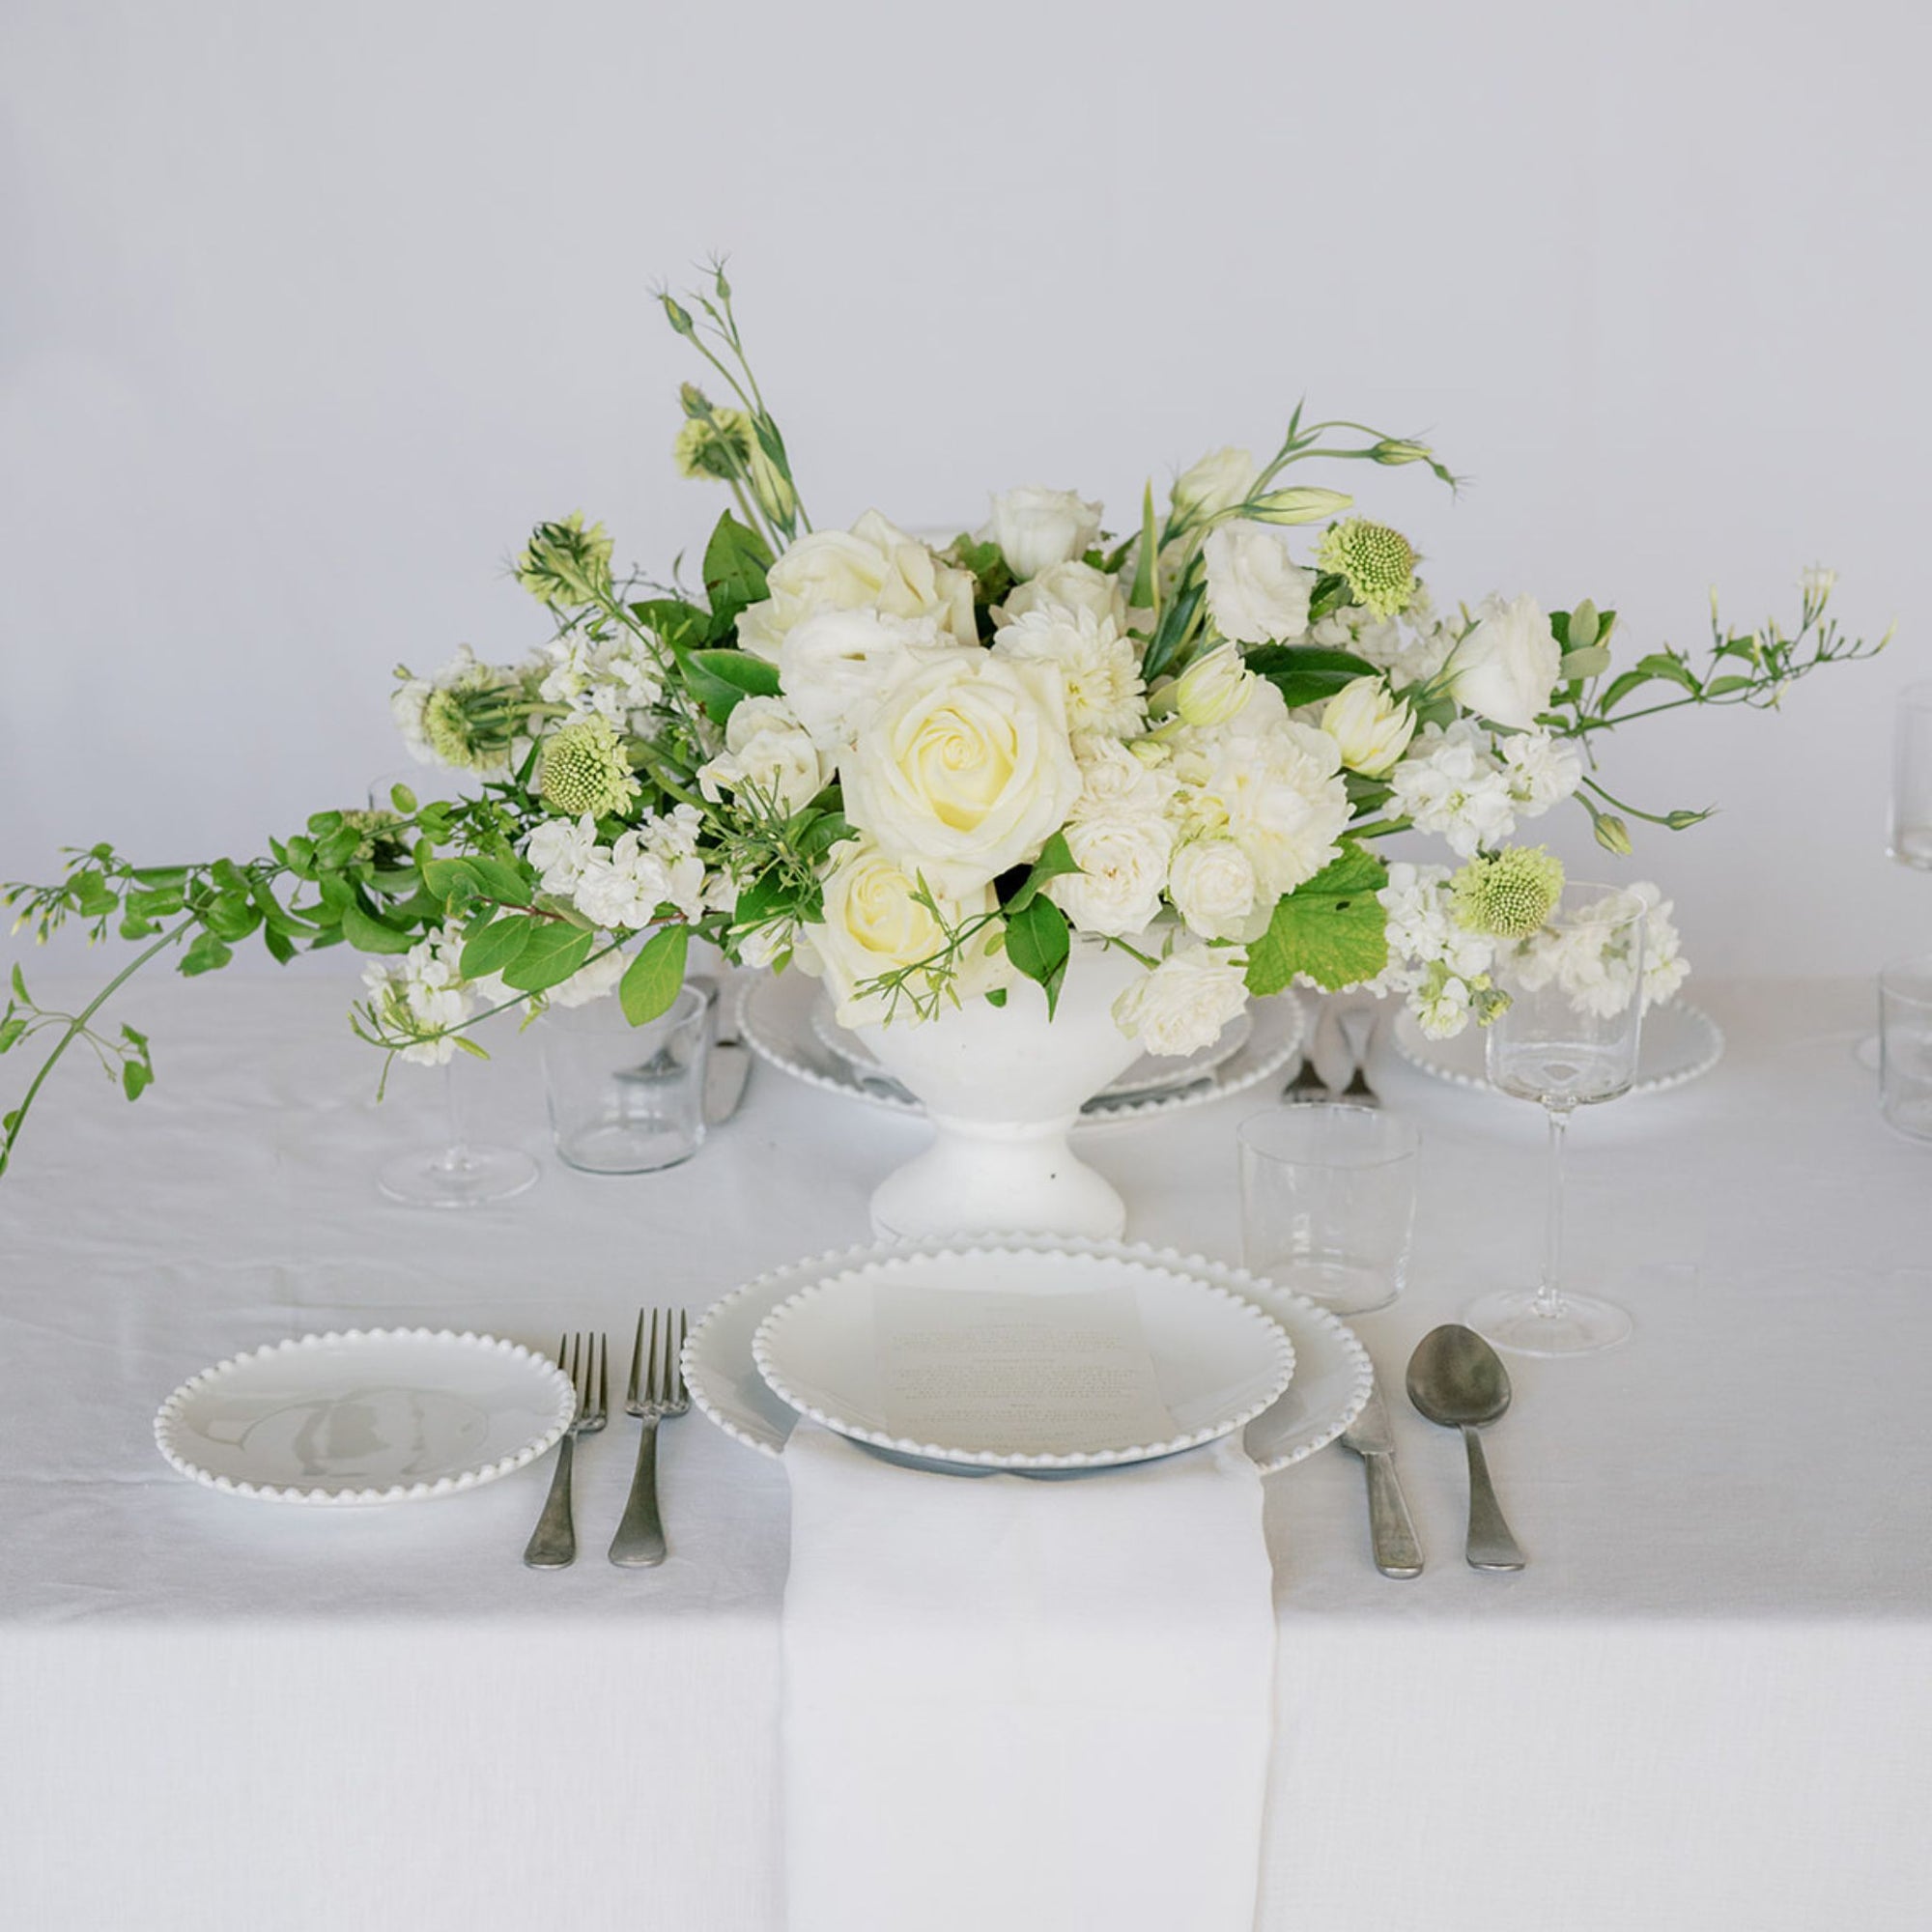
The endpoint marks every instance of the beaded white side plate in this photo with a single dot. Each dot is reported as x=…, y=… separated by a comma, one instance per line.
x=377, y=1415
x=1678, y=1045
x=1332, y=1371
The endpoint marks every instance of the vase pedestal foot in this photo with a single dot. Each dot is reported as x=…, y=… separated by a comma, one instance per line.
x=980, y=1180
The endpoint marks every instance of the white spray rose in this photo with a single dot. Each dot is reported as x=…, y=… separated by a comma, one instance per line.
x=1114, y=780
x=1217, y=482
x=873, y=566
x=1066, y=586
x=1370, y=725
x=1214, y=887
x=1185, y=1002
x=833, y=666
x=769, y=753
x=1215, y=688
x=1507, y=666
x=1037, y=527
x=1254, y=593
x=1123, y=863
x=1098, y=663
x=963, y=769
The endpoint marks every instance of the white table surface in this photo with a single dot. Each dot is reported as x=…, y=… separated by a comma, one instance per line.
x=1708, y=1701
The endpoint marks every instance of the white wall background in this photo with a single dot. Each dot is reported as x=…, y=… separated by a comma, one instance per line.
x=311, y=311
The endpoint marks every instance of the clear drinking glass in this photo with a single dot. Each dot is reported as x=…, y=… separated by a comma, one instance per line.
x=1567, y=1039
x=1328, y=1202
x=1905, y=1045
x=626, y=1099
x=1909, y=832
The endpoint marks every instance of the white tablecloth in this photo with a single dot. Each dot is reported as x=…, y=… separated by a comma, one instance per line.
x=1707, y=1702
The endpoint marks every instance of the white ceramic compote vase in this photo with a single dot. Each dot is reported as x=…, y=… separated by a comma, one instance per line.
x=1002, y=1086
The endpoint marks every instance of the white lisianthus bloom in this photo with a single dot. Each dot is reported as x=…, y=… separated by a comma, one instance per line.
x=1098, y=663
x=1066, y=586
x=591, y=980
x=1115, y=781
x=561, y=848
x=1540, y=771
x=1254, y=593
x=1507, y=666
x=963, y=769
x=1123, y=863
x=1214, y=887
x=833, y=666
x=873, y=566
x=1215, y=688
x=875, y=925
x=1448, y=783
x=1217, y=482
x=769, y=754
x=1185, y=1002
x=1370, y=725
x=1037, y=527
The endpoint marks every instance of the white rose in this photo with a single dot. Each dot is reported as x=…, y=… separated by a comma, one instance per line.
x=1185, y=1002
x=1217, y=482
x=1037, y=527
x=1066, y=586
x=873, y=566
x=769, y=753
x=1123, y=866
x=1215, y=688
x=1370, y=725
x=1114, y=780
x=1214, y=887
x=1099, y=667
x=963, y=769
x=1255, y=594
x=1507, y=666
x=834, y=665
x=873, y=924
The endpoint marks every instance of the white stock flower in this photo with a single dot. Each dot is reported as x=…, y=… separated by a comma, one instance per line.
x=1540, y=770
x=1217, y=482
x=561, y=848
x=873, y=566
x=1441, y=1007
x=1123, y=863
x=1508, y=665
x=1449, y=784
x=1185, y=1002
x=1037, y=527
x=1066, y=586
x=833, y=666
x=769, y=754
x=427, y=984
x=1099, y=667
x=1411, y=647
x=592, y=981
x=1370, y=725
x=1214, y=887
x=623, y=885
x=1664, y=966
x=963, y=769
x=1254, y=593
x=611, y=678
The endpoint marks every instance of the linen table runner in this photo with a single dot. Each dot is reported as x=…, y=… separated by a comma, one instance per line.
x=1012, y=1704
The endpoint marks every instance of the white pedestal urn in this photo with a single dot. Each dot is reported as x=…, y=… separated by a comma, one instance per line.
x=1002, y=1086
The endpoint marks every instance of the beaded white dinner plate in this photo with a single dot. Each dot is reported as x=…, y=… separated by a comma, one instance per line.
x=775, y=1021
x=1677, y=1045
x=1331, y=1380
x=367, y=1416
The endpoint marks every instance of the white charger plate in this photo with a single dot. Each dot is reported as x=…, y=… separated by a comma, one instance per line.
x=776, y=1022
x=367, y=1416
x=1218, y=1360
x=1678, y=1045
x=1332, y=1371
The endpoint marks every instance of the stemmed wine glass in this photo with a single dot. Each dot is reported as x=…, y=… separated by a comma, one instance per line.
x=1567, y=1039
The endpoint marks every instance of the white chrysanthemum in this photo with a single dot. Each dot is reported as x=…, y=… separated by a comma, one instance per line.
x=561, y=848
x=1185, y=1002
x=1540, y=770
x=1122, y=861
x=1097, y=662
x=1450, y=785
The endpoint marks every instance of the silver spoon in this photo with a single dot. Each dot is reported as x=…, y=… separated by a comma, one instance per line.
x=1457, y=1379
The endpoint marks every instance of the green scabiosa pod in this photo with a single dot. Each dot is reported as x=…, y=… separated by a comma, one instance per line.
x=1507, y=894
x=1378, y=562
x=585, y=770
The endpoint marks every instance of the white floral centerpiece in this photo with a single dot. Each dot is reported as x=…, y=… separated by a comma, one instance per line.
x=1041, y=756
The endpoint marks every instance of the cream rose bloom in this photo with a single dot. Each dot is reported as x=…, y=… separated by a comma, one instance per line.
x=875, y=925
x=873, y=566
x=1037, y=527
x=1370, y=725
x=963, y=769
x=1123, y=863
x=1183, y=1004
x=1256, y=595
x=1217, y=482
x=1507, y=666
x=1214, y=887
x=1066, y=586
x=1098, y=663
x=768, y=755
x=833, y=666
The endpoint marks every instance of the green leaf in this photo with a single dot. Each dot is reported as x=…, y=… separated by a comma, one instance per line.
x=1055, y=860
x=20, y=985
x=492, y=947
x=1660, y=664
x=817, y=835
x=1147, y=563
x=451, y=882
x=736, y=562
x=1332, y=927
x=549, y=955
x=10, y=1031
x=1037, y=943
x=206, y=955
x=1583, y=630
x=281, y=947
x=1718, y=687
x=371, y=935
x=679, y=624
x=134, y=1076
x=233, y=915
x=1586, y=661
x=651, y=980
x=720, y=678
x=1622, y=687
x=996, y=996
x=500, y=879
x=1307, y=673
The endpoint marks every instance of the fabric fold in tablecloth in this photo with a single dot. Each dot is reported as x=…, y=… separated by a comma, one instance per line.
x=1021, y=1704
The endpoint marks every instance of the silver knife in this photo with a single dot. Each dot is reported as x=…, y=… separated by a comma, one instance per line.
x=1391, y=1529
x=731, y=1062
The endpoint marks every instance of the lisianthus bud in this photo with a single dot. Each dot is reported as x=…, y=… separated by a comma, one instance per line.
x=1391, y=449
x=694, y=400
x=1613, y=834
x=770, y=486
x=1378, y=562
x=585, y=770
x=677, y=314
x=1215, y=688
x=1372, y=726
x=1215, y=483
x=1299, y=506
x=1508, y=896
x=564, y=563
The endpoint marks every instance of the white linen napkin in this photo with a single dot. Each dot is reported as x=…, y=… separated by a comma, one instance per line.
x=1012, y=1704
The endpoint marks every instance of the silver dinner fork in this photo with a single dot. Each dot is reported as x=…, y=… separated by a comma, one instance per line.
x=656, y=1390
x=553, y=1544
x=1358, y=1030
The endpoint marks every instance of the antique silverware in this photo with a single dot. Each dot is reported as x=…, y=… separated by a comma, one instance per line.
x=553, y=1544
x=1391, y=1528
x=1308, y=1087
x=1457, y=1379
x=656, y=1390
x=1358, y=1032
x=729, y=1065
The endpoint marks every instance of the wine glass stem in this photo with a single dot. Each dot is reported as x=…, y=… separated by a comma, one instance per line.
x=457, y=1154
x=1550, y=1294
